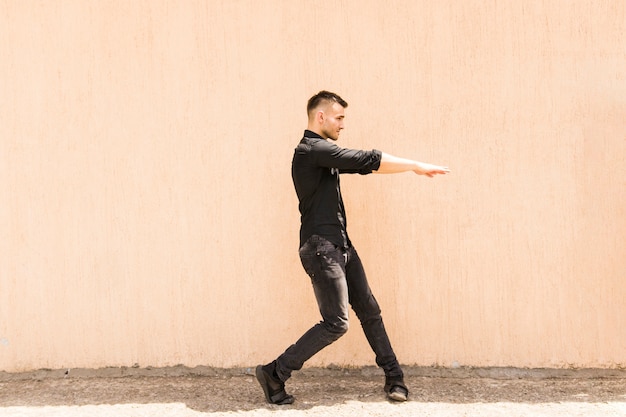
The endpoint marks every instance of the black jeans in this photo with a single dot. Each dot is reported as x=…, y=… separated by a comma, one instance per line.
x=338, y=278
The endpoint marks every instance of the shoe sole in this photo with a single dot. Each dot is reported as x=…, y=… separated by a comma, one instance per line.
x=397, y=396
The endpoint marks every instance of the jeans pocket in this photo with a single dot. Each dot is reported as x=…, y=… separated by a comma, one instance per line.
x=310, y=264
x=320, y=256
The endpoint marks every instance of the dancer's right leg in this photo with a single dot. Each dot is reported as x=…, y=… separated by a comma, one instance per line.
x=325, y=265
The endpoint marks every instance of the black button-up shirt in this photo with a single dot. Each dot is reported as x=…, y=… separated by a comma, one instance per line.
x=315, y=170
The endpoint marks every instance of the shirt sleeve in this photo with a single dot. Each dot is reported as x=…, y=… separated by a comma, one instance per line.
x=348, y=161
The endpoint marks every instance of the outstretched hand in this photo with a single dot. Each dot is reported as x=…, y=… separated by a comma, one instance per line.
x=430, y=170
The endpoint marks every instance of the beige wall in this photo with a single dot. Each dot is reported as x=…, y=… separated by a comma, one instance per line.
x=147, y=213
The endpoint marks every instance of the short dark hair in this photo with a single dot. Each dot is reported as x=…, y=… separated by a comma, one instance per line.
x=324, y=96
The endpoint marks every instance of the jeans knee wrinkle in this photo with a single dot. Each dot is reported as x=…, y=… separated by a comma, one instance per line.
x=339, y=327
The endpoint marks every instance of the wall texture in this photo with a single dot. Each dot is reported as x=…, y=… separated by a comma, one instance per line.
x=147, y=214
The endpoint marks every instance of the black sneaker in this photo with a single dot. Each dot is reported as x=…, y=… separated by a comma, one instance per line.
x=273, y=388
x=395, y=389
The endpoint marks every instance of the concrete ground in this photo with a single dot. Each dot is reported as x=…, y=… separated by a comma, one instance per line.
x=435, y=392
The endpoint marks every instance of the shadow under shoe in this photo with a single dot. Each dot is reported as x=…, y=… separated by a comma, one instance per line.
x=273, y=388
x=395, y=389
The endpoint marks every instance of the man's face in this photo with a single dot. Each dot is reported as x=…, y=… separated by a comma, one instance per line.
x=333, y=120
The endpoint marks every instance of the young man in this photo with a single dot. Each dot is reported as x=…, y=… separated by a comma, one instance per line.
x=326, y=251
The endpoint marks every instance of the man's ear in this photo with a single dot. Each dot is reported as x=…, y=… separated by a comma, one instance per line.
x=320, y=116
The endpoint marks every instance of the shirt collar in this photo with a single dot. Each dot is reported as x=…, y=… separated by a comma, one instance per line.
x=310, y=134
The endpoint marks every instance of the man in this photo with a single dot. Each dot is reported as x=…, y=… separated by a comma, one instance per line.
x=326, y=252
